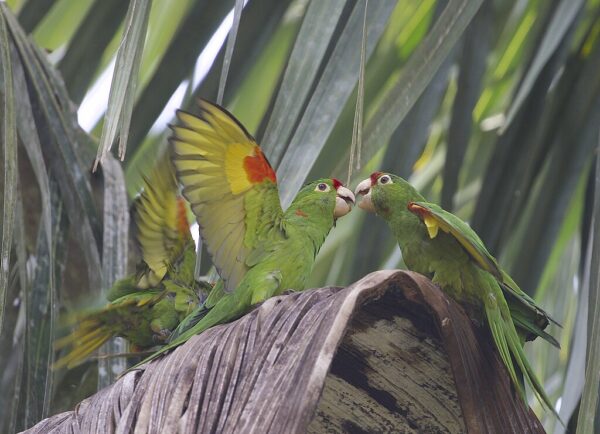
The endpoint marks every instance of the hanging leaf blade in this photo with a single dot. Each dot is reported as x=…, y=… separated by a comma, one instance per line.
x=307, y=55
x=418, y=73
x=125, y=79
x=329, y=97
x=9, y=144
x=237, y=16
x=588, y=412
x=563, y=17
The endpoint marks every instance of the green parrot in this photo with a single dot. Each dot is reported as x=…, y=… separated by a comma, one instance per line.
x=145, y=307
x=258, y=249
x=439, y=245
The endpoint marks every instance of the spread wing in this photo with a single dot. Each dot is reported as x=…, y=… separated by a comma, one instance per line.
x=231, y=186
x=161, y=222
x=436, y=218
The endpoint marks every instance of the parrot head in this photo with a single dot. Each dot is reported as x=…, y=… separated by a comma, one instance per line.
x=324, y=195
x=380, y=190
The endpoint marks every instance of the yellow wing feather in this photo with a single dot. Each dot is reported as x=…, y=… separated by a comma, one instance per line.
x=436, y=218
x=219, y=165
x=161, y=223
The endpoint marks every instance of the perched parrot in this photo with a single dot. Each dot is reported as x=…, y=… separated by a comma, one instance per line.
x=145, y=307
x=258, y=249
x=443, y=247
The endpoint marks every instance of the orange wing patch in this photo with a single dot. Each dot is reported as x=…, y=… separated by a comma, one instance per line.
x=432, y=224
x=258, y=168
x=218, y=163
x=417, y=209
x=246, y=165
x=183, y=225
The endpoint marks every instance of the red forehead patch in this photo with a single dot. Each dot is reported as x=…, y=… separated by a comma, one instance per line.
x=337, y=183
x=258, y=168
x=374, y=177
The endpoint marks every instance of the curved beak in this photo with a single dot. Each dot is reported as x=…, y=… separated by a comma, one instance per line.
x=363, y=190
x=343, y=202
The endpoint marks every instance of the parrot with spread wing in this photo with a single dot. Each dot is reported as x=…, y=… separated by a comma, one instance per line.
x=145, y=307
x=439, y=245
x=258, y=249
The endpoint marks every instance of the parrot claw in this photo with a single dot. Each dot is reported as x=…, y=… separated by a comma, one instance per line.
x=161, y=336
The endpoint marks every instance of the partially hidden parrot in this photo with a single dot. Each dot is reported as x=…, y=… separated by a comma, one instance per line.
x=258, y=249
x=147, y=306
x=441, y=246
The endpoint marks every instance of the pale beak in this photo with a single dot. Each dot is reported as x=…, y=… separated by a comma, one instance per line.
x=363, y=190
x=343, y=202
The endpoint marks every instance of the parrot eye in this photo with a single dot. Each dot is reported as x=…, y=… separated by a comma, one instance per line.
x=385, y=179
x=322, y=187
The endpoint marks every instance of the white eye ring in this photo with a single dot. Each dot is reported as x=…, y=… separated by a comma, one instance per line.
x=385, y=179
x=322, y=187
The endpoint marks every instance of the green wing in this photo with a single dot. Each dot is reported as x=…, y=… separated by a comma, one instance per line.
x=522, y=318
x=435, y=218
x=162, y=228
x=231, y=187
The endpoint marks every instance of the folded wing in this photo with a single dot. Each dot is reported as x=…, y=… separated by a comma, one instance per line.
x=526, y=313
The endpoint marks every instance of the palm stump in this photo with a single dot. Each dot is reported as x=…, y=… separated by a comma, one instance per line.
x=389, y=353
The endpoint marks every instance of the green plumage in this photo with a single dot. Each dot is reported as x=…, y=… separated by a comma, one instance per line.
x=145, y=317
x=443, y=247
x=258, y=249
x=283, y=261
x=147, y=306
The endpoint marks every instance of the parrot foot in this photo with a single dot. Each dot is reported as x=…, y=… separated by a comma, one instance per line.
x=161, y=336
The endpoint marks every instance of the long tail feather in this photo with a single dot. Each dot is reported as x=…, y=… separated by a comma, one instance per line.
x=81, y=334
x=80, y=353
x=509, y=345
x=495, y=323
x=89, y=335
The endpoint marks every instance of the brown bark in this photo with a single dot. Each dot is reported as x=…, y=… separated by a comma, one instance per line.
x=389, y=353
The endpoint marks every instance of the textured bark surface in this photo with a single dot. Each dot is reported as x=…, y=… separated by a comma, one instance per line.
x=389, y=353
x=390, y=374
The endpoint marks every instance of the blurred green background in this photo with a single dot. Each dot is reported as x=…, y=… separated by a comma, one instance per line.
x=489, y=107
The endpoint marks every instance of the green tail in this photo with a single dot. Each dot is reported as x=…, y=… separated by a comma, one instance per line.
x=511, y=349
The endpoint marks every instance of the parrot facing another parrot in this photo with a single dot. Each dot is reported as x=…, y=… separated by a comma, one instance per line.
x=439, y=245
x=258, y=249
x=145, y=307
